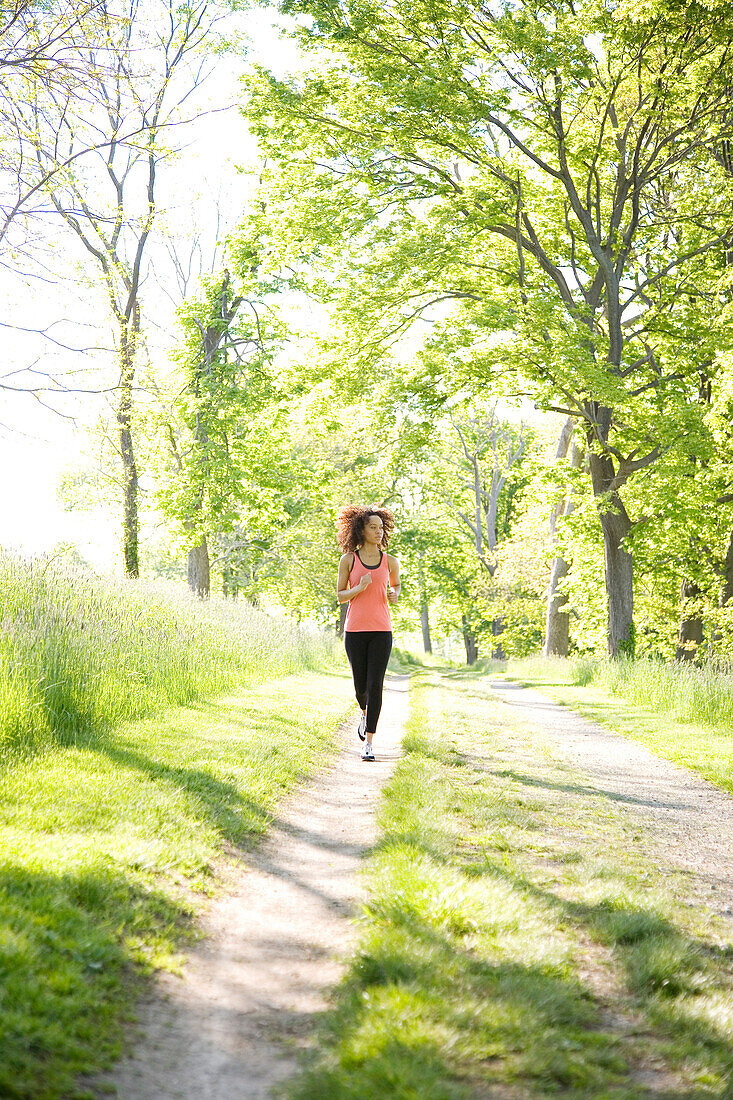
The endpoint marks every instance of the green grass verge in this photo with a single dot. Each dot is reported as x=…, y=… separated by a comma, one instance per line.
x=106, y=848
x=650, y=702
x=517, y=940
x=78, y=653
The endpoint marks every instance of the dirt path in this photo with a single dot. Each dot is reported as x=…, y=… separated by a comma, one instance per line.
x=272, y=947
x=687, y=822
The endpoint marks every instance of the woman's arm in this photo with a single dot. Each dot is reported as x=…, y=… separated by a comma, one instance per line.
x=343, y=592
x=395, y=584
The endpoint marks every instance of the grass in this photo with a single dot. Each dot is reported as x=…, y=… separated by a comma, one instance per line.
x=679, y=712
x=106, y=850
x=518, y=938
x=78, y=654
x=119, y=787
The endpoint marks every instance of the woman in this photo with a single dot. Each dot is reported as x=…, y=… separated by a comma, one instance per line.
x=368, y=580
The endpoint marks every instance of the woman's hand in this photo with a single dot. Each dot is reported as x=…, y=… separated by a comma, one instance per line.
x=365, y=581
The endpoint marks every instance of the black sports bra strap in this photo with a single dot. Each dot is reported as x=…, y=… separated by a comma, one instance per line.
x=381, y=559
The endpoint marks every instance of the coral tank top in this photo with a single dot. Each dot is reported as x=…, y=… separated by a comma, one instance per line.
x=370, y=609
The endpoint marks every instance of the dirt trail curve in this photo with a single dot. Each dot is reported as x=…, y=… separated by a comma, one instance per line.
x=272, y=946
x=687, y=821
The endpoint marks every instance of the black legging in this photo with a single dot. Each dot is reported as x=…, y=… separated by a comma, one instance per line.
x=368, y=652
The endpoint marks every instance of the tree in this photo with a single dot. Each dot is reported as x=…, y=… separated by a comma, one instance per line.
x=550, y=172
x=41, y=50
x=208, y=377
x=110, y=203
x=479, y=478
x=488, y=463
x=451, y=565
x=224, y=463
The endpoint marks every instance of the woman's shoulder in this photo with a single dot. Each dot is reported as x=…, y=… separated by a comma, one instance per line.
x=348, y=558
x=391, y=559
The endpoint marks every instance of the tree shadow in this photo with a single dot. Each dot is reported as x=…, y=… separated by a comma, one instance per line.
x=79, y=726
x=500, y=1021
x=503, y=1022
x=71, y=961
x=237, y=817
x=664, y=968
x=575, y=788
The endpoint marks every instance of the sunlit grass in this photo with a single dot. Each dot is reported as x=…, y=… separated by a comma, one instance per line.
x=78, y=653
x=120, y=784
x=108, y=846
x=518, y=939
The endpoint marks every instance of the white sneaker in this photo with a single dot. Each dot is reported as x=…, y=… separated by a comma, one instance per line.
x=367, y=753
x=361, y=728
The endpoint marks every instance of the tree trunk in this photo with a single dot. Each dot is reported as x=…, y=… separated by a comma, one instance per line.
x=557, y=625
x=726, y=592
x=229, y=583
x=469, y=640
x=341, y=624
x=199, y=576
x=619, y=582
x=497, y=629
x=691, y=625
x=619, y=564
x=130, y=520
x=424, y=607
x=425, y=624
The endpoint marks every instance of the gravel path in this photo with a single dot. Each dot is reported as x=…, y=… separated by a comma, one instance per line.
x=687, y=821
x=229, y=1028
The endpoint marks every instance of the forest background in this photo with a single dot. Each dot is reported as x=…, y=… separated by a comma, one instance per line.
x=468, y=261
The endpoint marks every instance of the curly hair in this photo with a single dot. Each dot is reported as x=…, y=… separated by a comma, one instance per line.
x=350, y=525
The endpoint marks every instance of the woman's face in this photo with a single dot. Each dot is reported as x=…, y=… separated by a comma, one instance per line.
x=373, y=531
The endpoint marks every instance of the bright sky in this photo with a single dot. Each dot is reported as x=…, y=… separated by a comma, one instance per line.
x=36, y=446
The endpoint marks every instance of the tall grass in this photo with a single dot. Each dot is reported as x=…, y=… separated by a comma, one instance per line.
x=688, y=693
x=78, y=653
